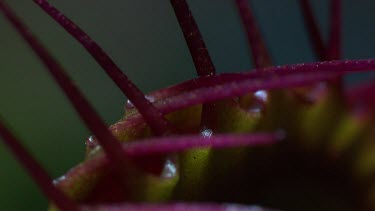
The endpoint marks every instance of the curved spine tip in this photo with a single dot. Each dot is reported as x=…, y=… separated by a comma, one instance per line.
x=193, y=37
x=313, y=29
x=260, y=54
x=158, y=124
x=109, y=143
x=334, y=45
x=34, y=169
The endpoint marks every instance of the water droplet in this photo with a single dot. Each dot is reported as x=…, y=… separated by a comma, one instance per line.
x=58, y=180
x=170, y=169
x=148, y=97
x=207, y=133
x=91, y=142
x=261, y=95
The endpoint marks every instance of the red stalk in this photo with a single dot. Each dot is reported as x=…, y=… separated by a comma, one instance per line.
x=218, y=87
x=167, y=145
x=314, y=32
x=109, y=143
x=153, y=117
x=334, y=50
x=35, y=170
x=176, y=207
x=198, y=51
x=261, y=57
x=334, y=44
x=239, y=88
x=197, y=47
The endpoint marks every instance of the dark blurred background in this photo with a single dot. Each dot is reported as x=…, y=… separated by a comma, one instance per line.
x=143, y=37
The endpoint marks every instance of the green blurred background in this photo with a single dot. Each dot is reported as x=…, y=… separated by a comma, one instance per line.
x=144, y=39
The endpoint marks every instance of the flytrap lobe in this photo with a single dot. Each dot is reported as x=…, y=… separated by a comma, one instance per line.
x=289, y=137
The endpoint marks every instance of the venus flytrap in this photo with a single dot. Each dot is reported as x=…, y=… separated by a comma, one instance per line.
x=243, y=138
